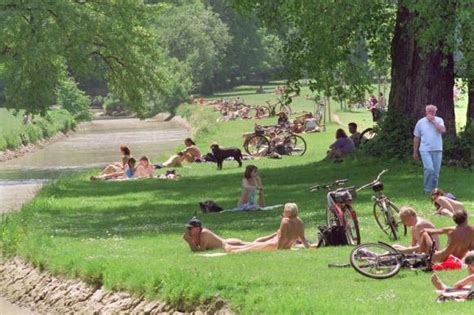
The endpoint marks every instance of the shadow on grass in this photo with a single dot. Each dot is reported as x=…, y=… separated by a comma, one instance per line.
x=77, y=207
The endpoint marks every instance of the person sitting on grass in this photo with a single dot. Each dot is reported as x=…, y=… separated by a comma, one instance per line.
x=420, y=242
x=190, y=154
x=460, y=238
x=310, y=123
x=127, y=172
x=144, y=168
x=296, y=127
x=118, y=166
x=355, y=135
x=251, y=185
x=341, y=147
x=202, y=239
x=445, y=203
x=291, y=230
x=466, y=281
x=282, y=119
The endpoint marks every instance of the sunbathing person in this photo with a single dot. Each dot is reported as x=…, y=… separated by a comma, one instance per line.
x=420, y=242
x=466, y=281
x=127, y=172
x=201, y=239
x=144, y=168
x=191, y=153
x=291, y=230
x=252, y=190
x=460, y=238
x=310, y=123
x=118, y=166
x=445, y=203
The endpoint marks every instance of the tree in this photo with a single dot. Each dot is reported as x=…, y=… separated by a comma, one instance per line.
x=418, y=37
x=197, y=37
x=41, y=42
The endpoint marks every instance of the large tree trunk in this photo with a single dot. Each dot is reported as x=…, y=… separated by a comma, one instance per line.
x=470, y=103
x=419, y=80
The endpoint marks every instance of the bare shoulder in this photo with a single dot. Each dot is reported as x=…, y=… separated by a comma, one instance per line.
x=424, y=224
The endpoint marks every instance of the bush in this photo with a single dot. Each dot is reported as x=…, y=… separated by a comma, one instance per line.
x=34, y=133
x=12, y=139
x=394, y=137
x=114, y=106
x=75, y=101
x=460, y=150
x=3, y=143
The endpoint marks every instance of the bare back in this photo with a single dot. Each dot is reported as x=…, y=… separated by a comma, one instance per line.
x=422, y=224
x=208, y=240
x=460, y=241
x=290, y=231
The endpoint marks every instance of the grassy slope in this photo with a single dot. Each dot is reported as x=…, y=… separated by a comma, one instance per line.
x=127, y=234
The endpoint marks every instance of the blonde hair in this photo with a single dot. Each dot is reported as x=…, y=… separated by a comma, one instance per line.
x=406, y=211
x=292, y=208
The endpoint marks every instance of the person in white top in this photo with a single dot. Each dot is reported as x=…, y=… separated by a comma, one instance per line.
x=428, y=144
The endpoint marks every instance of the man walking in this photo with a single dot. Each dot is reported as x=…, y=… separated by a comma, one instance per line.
x=429, y=142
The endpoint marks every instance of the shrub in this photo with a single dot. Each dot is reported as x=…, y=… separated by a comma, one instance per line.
x=12, y=139
x=3, y=143
x=75, y=101
x=114, y=106
x=460, y=150
x=34, y=133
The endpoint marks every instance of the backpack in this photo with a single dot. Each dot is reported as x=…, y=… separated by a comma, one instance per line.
x=209, y=206
x=334, y=235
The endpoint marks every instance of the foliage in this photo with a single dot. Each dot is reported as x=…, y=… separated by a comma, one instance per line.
x=114, y=106
x=42, y=40
x=394, y=137
x=195, y=36
x=127, y=235
x=460, y=150
x=74, y=100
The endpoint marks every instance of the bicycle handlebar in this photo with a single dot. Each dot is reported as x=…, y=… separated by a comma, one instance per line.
x=376, y=180
x=338, y=182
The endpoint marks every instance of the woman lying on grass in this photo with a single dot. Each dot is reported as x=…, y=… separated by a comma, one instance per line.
x=127, y=172
x=445, y=203
x=291, y=230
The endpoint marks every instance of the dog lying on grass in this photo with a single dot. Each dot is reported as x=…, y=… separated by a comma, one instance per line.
x=222, y=153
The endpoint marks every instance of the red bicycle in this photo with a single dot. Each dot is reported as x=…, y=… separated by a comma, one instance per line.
x=339, y=210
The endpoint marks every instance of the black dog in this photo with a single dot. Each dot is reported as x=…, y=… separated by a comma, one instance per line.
x=221, y=154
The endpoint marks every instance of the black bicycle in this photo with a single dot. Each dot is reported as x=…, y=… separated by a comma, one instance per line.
x=385, y=211
x=382, y=261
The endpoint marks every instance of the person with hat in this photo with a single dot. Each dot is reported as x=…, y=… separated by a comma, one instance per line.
x=202, y=239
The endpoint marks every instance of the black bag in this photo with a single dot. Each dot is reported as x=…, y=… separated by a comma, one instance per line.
x=209, y=206
x=332, y=236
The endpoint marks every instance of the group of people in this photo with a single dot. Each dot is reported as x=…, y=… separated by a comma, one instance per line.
x=344, y=144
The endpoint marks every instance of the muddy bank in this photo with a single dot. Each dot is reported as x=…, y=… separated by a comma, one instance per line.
x=43, y=293
x=30, y=148
x=180, y=121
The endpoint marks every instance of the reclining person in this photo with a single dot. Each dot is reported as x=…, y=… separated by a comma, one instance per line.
x=445, y=203
x=460, y=238
x=291, y=230
x=469, y=280
x=420, y=242
x=202, y=239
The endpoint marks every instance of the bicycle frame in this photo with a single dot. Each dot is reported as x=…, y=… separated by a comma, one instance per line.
x=338, y=211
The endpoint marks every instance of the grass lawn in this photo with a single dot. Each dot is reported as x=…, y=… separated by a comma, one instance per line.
x=127, y=235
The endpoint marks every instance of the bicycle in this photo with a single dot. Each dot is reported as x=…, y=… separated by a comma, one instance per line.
x=282, y=107
x=385, y=211
x=259, y=143
x=339, y=210
x=382, y=261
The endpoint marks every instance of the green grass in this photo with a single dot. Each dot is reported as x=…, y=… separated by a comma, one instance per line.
x=127, y=235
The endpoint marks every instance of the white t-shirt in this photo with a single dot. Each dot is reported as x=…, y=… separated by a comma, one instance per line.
x=431, y=139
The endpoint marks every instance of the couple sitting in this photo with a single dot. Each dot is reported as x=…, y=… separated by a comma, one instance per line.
x=291, y=230
x=424, y=234
x=130, y=170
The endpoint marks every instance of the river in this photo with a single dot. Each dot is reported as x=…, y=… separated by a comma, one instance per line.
x=93, y=146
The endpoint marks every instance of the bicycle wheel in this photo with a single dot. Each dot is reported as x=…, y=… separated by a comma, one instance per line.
x=352, y=226
x=376, y=260
x=395, y=212
x=286, y=109
x=295, y=145
x=331, y=218
x=366, y=135
x=257, y=145
x=384, y=216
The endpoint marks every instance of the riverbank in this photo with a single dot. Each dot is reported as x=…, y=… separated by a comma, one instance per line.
x=39, y=291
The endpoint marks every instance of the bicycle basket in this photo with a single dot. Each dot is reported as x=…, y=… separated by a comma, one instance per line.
x=378, y=186
x=343, y=196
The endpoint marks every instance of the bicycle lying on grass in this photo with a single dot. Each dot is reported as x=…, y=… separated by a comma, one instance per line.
x=385, y=211
x=382, y=261
x=339, y=210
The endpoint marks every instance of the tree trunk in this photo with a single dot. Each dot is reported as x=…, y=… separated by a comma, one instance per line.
x=420, y=80
x=470, y=103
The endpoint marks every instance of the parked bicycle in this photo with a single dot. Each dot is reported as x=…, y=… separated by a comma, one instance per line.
x=339, y=210
x=280, y=106
x=382, y=261
x=260, y=143
x=385, y=211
